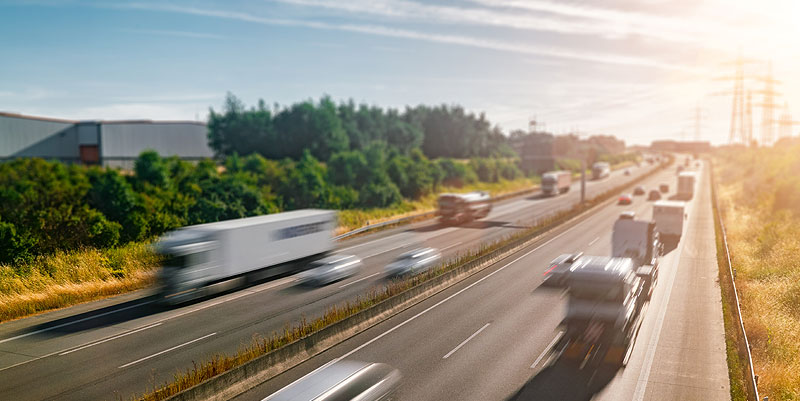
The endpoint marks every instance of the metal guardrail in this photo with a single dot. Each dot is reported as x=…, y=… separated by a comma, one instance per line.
x=424, y=215
x=752, y=383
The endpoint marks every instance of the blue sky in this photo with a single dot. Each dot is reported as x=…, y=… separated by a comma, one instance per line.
x=635, y=69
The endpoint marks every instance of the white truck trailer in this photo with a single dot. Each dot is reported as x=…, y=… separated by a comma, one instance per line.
x=601, y=170
x=669, y=217
x=209, y=258
x=556, y=182
x=686, y=184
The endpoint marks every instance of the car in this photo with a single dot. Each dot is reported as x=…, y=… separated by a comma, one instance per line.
x=329, y=269
x=627, y=171
x=343, y=380
x=664, y=188
x=556, y=275
x=639, y=190
x=625, y=199
x=654, y=195
x=627, y=215
x=413, y=262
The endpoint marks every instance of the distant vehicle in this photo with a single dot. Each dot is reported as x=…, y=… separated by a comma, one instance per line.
x=639, y=190
x=460, y=208
x=414, y=262
x=664, y=188
x=627, y=171
x=640, y=241
x=686, y=183
x=625, y=199
x=556, y=182
x=214, y=257
x=627, y=215
x=687, y=161
x=601, y=170
x=669, y=217
x=330, y=269
x=697, y=164
x=343, y=380
x=654, y=195
x=678, y=169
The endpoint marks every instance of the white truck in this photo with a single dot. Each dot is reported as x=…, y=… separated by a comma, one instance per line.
x=208, y=258
x=601, y=170
x=460, y=208
x=669, y=217
x=686, y=184
x=556, y=182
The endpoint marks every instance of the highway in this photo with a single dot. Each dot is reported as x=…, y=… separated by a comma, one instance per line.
x=487, y=337
x=123, y=346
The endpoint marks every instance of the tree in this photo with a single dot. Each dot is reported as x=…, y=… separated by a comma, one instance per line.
x=151, y=169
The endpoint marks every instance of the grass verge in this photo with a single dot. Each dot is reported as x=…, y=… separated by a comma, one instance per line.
x=221, y=363
x=737, y=371
x=71, y=277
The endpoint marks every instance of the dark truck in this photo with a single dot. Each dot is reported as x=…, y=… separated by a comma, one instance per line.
x=606, y=295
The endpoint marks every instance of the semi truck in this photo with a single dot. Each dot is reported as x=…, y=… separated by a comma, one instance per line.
x=686, y=184
x=605, y=298
x=606, y=294
x=460, y=208
x=601, y=170
x=208, y=258
x=669, y=216
x=556, y=182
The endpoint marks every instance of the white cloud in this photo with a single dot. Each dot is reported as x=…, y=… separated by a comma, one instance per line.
x=460, y=40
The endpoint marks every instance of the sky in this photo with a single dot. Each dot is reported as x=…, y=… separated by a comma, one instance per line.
x=636, y=69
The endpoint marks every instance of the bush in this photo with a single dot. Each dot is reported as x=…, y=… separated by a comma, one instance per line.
x=456, y=174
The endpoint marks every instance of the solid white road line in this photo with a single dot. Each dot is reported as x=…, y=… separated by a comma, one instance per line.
x=558, y=337
x=108, y=339
x=167, y=350
x=593, y=241
x=430, y=308
x=466, y=341
x=75, y=322
x=361, y=279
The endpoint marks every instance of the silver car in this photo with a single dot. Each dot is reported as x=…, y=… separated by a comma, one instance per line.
x=343, y=380
x=330, y=269
x=413, y=262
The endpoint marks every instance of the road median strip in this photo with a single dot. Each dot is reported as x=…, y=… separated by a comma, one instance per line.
x=225, y=376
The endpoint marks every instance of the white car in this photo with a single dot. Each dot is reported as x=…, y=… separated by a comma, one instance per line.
x=413, y=262
x=330, y=269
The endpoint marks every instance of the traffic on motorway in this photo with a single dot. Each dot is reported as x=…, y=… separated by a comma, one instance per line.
x=202, y=281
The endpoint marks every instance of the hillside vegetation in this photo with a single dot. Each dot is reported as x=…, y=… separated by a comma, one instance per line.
x=759, y=191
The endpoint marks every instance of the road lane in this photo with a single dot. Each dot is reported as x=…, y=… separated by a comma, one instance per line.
x=524, y=317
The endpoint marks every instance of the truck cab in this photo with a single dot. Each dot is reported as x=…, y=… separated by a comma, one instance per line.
x=605, y=300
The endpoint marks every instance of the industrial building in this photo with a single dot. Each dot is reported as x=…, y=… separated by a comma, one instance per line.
x=105, y=143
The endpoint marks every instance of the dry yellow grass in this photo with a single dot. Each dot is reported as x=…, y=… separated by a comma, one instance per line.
x=765, y=251
x=71, y=277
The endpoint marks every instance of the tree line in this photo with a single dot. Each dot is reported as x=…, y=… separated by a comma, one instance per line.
x=47, y=206
x=325, y=128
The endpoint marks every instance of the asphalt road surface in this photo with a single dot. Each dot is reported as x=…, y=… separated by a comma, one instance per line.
x=487, y=337
x=125, y=345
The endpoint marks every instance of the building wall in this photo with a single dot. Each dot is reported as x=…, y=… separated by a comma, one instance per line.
x=22, y=136
x=122, y=142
